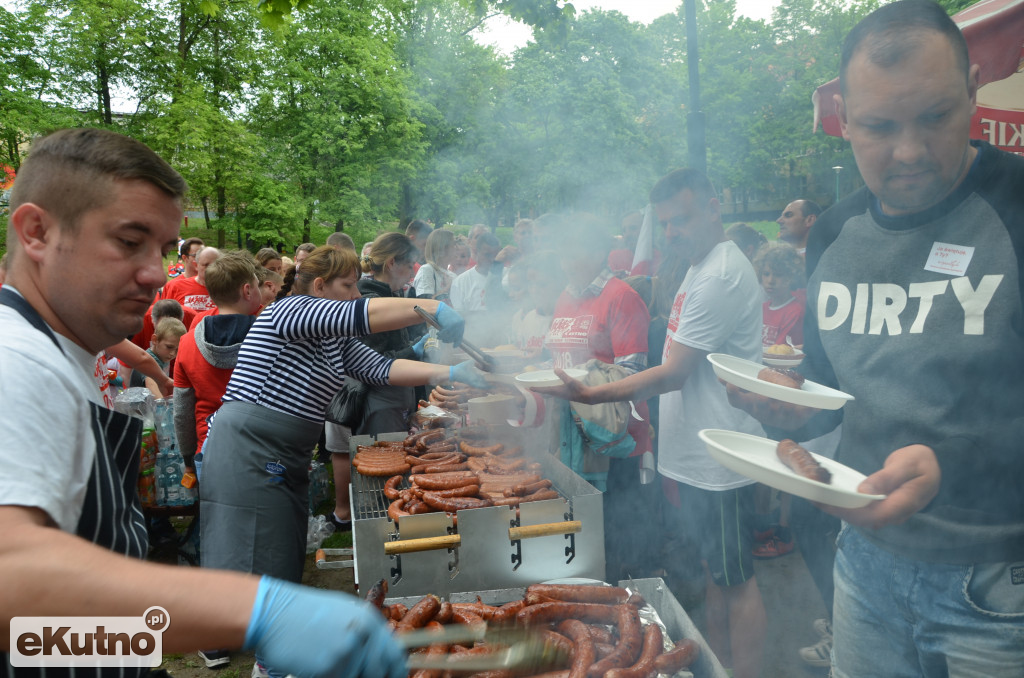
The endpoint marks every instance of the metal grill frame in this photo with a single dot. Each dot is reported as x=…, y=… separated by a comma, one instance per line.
x=486, y=558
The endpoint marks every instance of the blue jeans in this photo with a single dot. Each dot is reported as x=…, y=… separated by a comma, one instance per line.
x=897, y=618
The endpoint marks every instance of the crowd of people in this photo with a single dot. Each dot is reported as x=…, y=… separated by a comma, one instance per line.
x=906, y=294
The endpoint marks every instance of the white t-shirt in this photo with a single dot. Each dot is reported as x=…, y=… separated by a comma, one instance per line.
x=47, y=446
x=468, y=291
x=432, y=281
x=717, y=309
x=531, y=329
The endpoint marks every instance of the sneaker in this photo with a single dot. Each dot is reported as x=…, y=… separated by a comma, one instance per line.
x=823, y=627
x=339, y=525
x=819, y=654
x=259, y=671
x=761, y=536
x=215, y=658
x=773, y=548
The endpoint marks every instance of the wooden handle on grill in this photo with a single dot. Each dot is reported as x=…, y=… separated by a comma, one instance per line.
x=544, y=530
x=446, y=541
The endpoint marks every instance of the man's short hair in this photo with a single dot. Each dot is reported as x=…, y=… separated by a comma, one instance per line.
x=894, y=31
x=71, y=171
x=341, y=241
x=809, y=208
x=681, y=180
x=265, y=274
x=167, y=308
x=186, y=246
x=227, y=274
x=418, y=228
x=169, y=327
x=305, y=247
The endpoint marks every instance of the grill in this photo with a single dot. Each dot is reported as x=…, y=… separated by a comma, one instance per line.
x=677, y=623
x=490, y=548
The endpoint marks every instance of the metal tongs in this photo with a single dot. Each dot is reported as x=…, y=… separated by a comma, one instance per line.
x=514, y=648
x=485, y=361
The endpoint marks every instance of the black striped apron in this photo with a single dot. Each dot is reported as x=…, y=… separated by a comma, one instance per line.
x=111, y=515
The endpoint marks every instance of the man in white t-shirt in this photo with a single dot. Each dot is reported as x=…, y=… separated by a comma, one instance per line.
x=717, y=310
x=92, y=214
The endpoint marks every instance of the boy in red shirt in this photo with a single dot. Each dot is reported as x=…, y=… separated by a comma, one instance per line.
x=780, y=271
x=207, y=353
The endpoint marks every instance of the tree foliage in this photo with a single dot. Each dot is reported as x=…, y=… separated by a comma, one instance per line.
x=353, y=115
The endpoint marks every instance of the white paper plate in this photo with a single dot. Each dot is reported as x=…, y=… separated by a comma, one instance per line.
x=743, y=373
x=548, y=377
x=755, y=458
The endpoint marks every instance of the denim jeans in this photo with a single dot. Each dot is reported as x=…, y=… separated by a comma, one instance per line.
x=897, y=618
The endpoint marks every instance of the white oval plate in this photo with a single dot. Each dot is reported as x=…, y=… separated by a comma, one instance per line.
x=548, y=377
x=755, y=458
x=743, y=373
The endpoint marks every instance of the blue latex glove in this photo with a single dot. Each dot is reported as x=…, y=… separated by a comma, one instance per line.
x=467, y=373
x=313, y=633
x=418, y=346
x=452, y=324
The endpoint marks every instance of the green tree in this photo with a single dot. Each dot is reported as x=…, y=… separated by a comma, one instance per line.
x=334, y=108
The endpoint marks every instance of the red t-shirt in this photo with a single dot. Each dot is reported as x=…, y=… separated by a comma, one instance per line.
x=610, y=325
x=782, y=322
x=145, y=335
x=189, y=292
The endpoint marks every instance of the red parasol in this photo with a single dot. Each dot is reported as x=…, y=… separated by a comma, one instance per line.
x=994, y=30
x=6, y=177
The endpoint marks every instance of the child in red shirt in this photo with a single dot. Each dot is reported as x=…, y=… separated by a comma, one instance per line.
x=780, y=270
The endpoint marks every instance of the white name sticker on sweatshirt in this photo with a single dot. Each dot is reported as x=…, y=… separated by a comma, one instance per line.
x=949, y=259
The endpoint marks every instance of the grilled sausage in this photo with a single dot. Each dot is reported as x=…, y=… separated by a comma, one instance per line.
x=453, y=504
x=468, y=614
x=391, y=487
x=560, y=643
x=583, y=650
x=781, y=376
x=608, y=595
x=444, y=481
x=476, y=451
x=507, y=612
x=397, y=510
x=523, y=489
x=644, y=666
x=630, y=639
x=464, y=491
x=681, y=656
x=434, y=651
x=420, y=614
x=801, y=461
x=544, y=613
x=377, y=593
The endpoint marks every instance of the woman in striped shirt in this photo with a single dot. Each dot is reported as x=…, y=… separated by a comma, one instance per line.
x=254, y=483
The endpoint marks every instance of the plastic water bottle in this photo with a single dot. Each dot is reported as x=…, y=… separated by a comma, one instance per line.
x=173, y=472
x=163, y=419
x=161, y=478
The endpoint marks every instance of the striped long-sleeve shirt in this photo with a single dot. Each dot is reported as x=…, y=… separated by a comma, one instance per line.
x=297, y=354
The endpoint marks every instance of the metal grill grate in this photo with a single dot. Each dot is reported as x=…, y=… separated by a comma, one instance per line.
x=368, y=496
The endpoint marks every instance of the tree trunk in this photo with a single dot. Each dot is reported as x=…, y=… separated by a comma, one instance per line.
x=103, y=90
